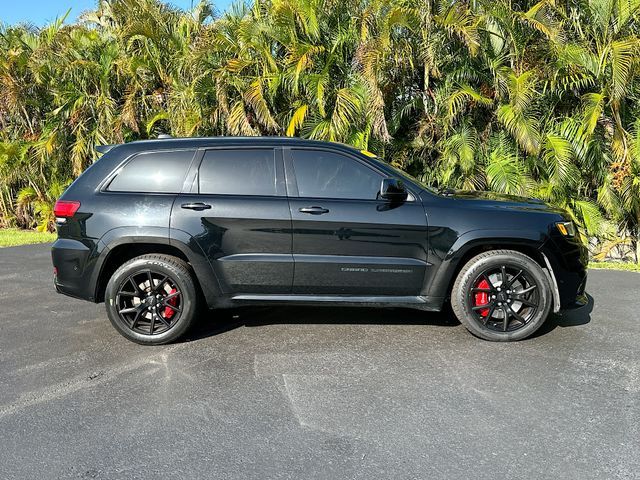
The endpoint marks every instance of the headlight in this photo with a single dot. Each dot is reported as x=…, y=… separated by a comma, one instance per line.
x=567, y=229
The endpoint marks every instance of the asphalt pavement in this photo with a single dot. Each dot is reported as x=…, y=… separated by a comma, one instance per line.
x=314, y=393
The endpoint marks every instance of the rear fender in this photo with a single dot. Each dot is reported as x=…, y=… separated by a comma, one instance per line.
x=160, y=236
x=202, y=267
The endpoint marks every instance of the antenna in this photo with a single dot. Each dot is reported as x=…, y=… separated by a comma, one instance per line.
x=163, y=136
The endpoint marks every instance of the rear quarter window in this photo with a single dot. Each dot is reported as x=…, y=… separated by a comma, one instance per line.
x=153, y=172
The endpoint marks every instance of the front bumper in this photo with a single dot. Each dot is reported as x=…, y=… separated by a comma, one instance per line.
x=581, y=301
x=568, y=259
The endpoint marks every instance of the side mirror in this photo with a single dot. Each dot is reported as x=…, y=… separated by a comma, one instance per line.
x=393, y=190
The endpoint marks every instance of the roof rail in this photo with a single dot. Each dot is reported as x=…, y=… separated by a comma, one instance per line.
x=164, y=136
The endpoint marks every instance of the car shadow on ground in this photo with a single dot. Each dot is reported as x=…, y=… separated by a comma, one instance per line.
x=567, y=318
x=220, y=321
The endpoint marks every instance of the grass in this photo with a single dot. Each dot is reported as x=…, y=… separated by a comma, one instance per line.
x=627, y=266
x=10, y=237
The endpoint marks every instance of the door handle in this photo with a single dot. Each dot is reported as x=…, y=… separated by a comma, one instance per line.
x=196, y=206
x=314, y=210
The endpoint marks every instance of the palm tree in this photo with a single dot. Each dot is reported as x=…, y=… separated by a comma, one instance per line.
x=528, y=98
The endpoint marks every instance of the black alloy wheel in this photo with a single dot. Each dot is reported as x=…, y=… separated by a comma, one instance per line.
x=152, y=299
x=149, y=302
x=504, y=298
x=502, y=295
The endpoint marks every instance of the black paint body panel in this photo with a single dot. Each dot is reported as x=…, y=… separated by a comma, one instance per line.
x=382, y=252
x=263, y=249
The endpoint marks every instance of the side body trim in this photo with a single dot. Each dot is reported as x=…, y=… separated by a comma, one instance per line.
x=358, y=259
x=418, y=302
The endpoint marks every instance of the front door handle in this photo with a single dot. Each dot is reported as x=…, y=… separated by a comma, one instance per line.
x=314, y=210
x=196, y=206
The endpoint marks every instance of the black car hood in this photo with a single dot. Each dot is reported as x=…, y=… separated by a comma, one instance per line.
x=501, y=200
x=499, y=197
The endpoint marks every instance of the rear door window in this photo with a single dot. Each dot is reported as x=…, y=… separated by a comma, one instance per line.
x=238, y=172
x=153, y=172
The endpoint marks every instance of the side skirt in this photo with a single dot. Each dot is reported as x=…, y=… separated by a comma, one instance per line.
x=432, y=304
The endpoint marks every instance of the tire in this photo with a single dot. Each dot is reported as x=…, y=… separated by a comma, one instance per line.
x=152, y=315
x=480, y=302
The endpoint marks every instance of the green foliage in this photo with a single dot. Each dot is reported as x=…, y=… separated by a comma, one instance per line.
x=528, y=98
x=11, y=237
x=625, y=266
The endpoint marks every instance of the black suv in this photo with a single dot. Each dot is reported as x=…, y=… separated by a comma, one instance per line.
x=158, y=228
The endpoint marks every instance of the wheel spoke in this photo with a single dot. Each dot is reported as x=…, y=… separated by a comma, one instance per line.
x=503, y=273
x=164, y=320
x=150, y=277
x=488, y=280
x=515, y=277
x=160, y=284
x=526, y=302
x=153, y=323
x=490, y=314
x=486, y=290
x=483, y=307
x=517, y=316
x=172, y=307
x=526, y=290
x=135, y=285
x=505, y=321
x=134, y=324
x=128, y=310
x=172, y=295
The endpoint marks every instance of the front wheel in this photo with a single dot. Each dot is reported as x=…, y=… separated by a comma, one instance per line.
x=501, y=295
x=152, y=299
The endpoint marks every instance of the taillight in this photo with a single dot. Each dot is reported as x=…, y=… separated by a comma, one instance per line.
x=65, y=208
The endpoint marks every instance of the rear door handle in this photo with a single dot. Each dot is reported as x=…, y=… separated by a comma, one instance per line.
x=196, y=206
x=314, y=210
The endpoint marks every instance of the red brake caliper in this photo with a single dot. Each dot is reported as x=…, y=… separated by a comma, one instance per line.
x=482, y=298
x=168, y=311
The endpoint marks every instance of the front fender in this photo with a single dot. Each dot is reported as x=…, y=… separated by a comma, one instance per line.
x=440, y=281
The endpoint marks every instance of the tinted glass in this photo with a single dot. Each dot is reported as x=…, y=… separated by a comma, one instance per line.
x=154, y=172
x=238, y=172
x=331, y=175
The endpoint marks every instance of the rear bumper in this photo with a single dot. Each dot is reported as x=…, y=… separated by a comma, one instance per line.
x=72, y=261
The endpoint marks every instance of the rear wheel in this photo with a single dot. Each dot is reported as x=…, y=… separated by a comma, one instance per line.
x=501, y=295
x=152, y=299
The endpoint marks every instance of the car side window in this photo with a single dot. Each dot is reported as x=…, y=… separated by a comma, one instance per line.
x=323, y=174
x=153, y=172
x=238, y=172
